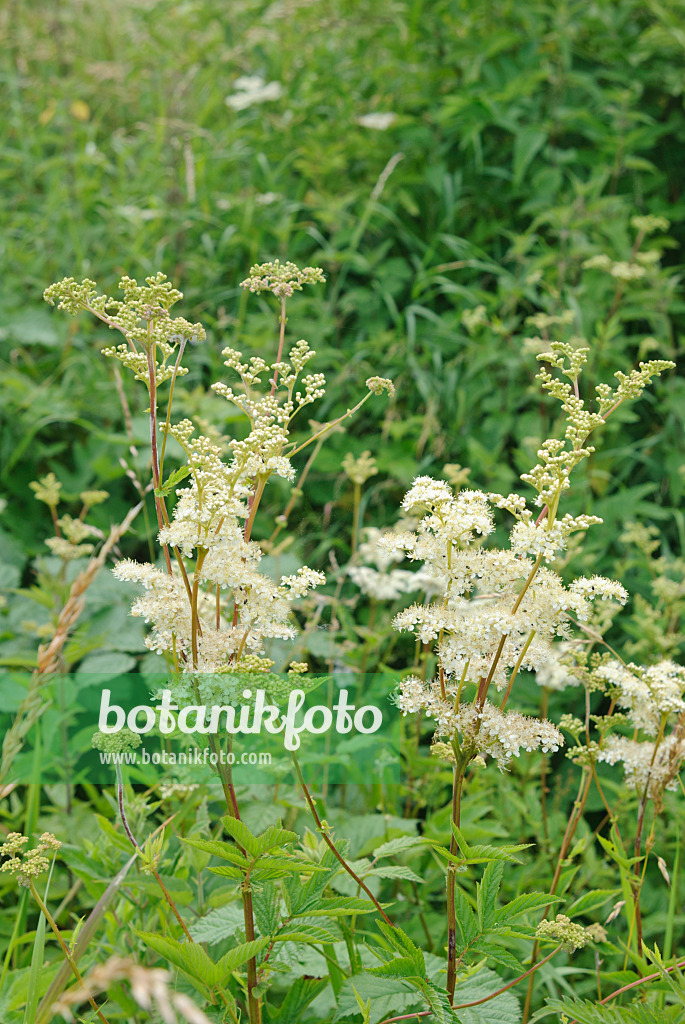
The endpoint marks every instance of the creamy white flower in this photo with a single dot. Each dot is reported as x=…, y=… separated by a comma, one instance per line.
x=251, y=89
x=647, y=770
x=382, y=586
x=647, y=693
x=379, y=121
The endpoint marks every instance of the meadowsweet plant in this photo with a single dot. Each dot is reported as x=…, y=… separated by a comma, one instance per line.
x=501, y=609
x=485, y=616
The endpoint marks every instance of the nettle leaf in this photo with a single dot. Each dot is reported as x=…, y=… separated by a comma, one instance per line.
x=218, y=924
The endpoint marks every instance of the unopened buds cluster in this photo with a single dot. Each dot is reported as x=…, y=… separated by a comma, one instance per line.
x=27, y=864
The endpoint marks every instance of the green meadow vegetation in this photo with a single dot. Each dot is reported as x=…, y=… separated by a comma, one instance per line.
x=472, y=212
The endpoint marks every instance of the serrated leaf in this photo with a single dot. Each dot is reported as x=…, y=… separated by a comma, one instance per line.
x=308, y=933
x=481, y=854
x=236, y=957
x=395, y=871
x=218, y=849
x=385, y=996
x=401, y=942
x=466, y=919
x=398, y=967
x=498, y=954
x=590, y=1013
x=272, y=837
x=239, y=831
x=189, y=958
x=219, y=924
x=300, y=995
x=399, y=845
x=439, y=1004
x=592, y=900
x=525, y=904
x=503, y=1009
x=486, y=894
x=266, y=901
x=337, y=906
x=171, y=481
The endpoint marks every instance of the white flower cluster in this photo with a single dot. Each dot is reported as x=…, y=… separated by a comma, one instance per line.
x=648, y=694
x=500, y=734
x=648, y=768
x=470, y=631
x=557, y=672
x=379, y=580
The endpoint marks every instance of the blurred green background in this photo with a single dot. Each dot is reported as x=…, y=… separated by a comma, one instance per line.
x=435, y=157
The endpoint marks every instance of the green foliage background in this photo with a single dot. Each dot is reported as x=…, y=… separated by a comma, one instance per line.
x=526, y=136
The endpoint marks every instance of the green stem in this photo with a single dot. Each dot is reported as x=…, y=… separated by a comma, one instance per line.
x=65, y=949
x=323, y=831
x=457, y=786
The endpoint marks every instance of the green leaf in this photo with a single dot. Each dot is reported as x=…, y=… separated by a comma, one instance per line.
x=486, y=894
x=591, y=900
x=394, y=871
x=398, y=967
x=498, y=954
x=439, y=1004
x=527, y=143
x=190, y=958
x=466, y=919
x=171, y=481
x=337, y=906
x=242, y=835
x=590, y=1013
x=399, y=845
x=37, y=961
x=299, y=996
x=219, y=924
x=273, y=837
x=401, y=942
x=525, y=904
x=503, y=1009
x=236, y=957
x=385, y=996
x=218, y=849
x=266, y=902
x=308, y=933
